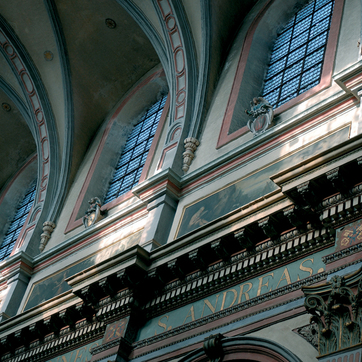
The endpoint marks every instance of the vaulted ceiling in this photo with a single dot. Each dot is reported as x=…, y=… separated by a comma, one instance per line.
x=88, y=55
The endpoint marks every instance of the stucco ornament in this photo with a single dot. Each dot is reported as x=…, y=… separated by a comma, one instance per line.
x=262, y=113
x=48, y=228
x=191, y=145
x=94, y=213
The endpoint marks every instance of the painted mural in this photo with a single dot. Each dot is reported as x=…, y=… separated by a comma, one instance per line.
x=240, y=293
x=55, y=284
x=248, y=189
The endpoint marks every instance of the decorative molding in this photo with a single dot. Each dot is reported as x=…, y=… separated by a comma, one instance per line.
x=246, y=348
x=57, y=27
x=191, y=145
x=325, y=82
x=213, y=347
x=309, y=333
x=48, y=228
x=336, y=309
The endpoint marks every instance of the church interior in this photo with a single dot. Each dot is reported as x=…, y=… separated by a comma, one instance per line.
x=181, y=180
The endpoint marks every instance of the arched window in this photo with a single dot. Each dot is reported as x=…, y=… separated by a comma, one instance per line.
x=129, y=168
x=17, y=223
x=297, y=58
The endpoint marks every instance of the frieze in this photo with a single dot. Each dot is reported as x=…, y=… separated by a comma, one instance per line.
x=201, y=283
x=66, y=341
x=223, y=230
x=248, y=292
x=211, y=318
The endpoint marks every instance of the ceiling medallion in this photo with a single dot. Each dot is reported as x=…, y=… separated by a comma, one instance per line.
x=6, y=107
x=48, y=55
x=111, y=24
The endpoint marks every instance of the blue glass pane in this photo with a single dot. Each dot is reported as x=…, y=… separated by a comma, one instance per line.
x=311, y=75
x=290, y=87
x=17, y=223
x=144, y=135
x=276, y=67
x=125, y=158
x=297, y=58
x=283, y=38
x=272, y=97
x=135, y=152
x=298, y=41
x=279, y=53
x=293, y=71
x=317, y=42
x=303, y=26
x=321, y=3
x=322, y=13
x=134, y=164
x=296, y=55
x=130, y=144
x=314, y=58
x=303, y=13
x=273, y=83
x=319, y=28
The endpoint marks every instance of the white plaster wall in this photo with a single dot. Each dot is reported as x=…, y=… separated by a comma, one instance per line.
x=148, y=9
x=283, y=334
x=350, y=33
x=194, y=16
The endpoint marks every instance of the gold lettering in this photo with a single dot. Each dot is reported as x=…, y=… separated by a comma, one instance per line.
x=191, y=314
x=245, y=293
x=306, y=269
x=79, y=356
x=206, y=302
x=224, y=297
x=285, y=276
x=263, y=285
x=163, y=325
x=63, y=359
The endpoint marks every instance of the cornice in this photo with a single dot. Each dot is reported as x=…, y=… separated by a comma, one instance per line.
x=135, y=210
x=164, y=182
x=297, y=124
x=19, y=262
x=350, y=79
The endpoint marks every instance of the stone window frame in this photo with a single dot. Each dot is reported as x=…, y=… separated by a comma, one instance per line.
x=247, y=84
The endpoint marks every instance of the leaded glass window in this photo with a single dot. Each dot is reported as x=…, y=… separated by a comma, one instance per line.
x=18, y=222
x=297, y=58
x=129, y=168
